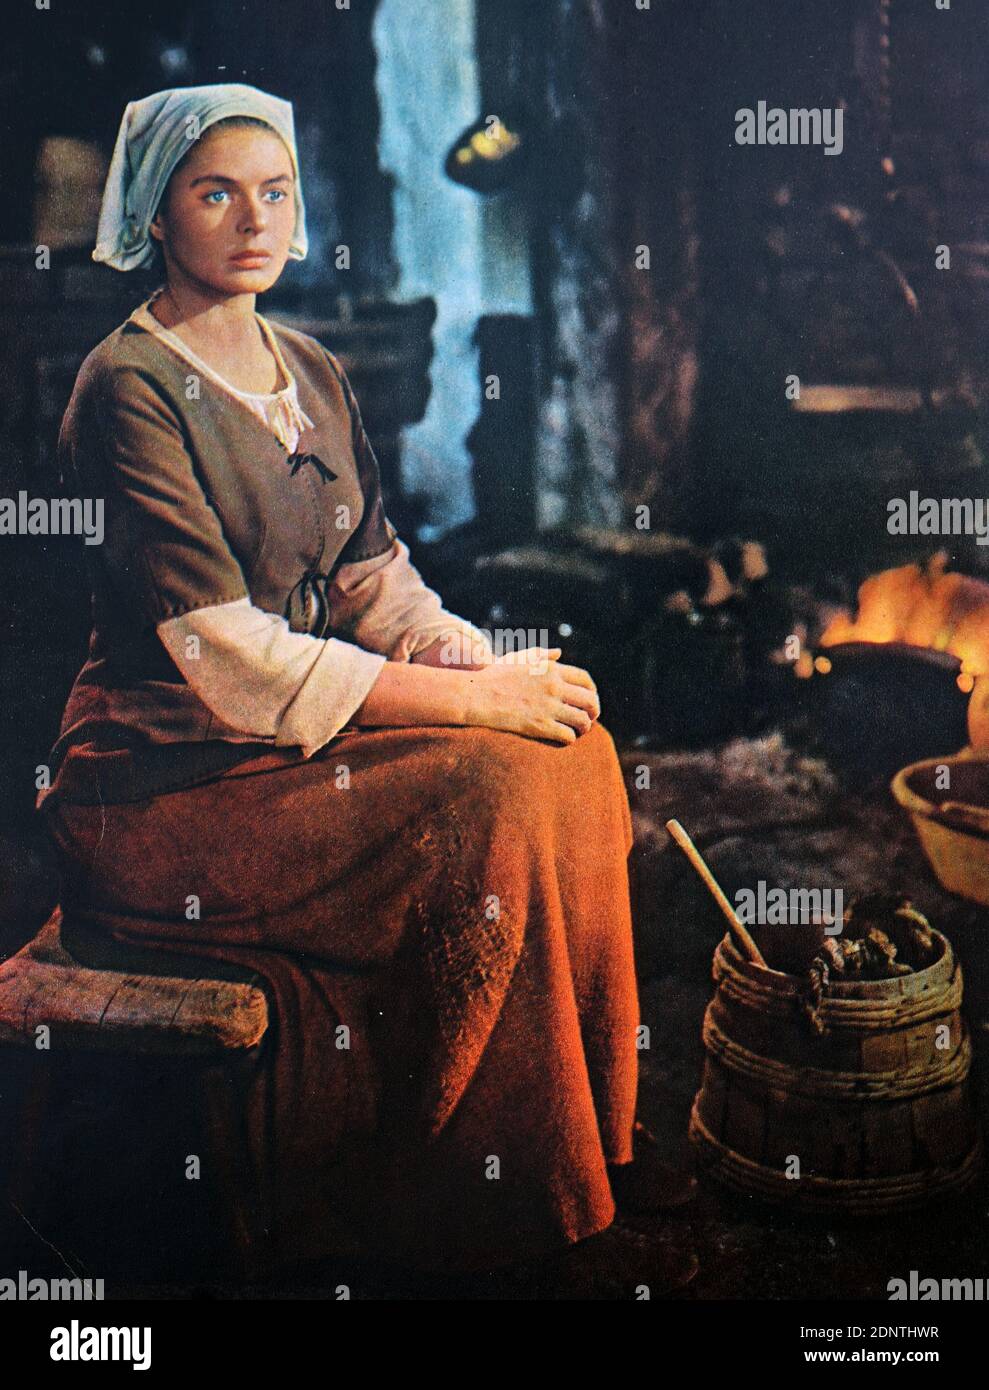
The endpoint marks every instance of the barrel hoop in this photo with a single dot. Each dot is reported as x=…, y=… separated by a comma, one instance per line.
x=897, y=1084
x=863, y=1196
x=845, y=1015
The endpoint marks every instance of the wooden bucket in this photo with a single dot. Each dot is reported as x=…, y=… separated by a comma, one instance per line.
x=878, y=1116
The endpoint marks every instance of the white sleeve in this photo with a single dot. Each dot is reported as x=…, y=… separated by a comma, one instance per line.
x=261, y=678
x=385, y=605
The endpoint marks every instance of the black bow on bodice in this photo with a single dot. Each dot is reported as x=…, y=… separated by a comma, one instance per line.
x=297, y=461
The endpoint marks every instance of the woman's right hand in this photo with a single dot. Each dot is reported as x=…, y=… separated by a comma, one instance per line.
x=530, y=692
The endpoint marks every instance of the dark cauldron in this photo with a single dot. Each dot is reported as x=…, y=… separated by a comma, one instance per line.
x=885, y=704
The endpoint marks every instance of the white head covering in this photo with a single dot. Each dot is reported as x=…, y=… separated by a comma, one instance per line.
x=154, y=134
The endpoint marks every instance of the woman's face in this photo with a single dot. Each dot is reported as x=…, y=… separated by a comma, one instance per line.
x=228, y=213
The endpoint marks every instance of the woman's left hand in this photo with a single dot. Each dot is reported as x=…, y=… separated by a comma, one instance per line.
x=538, y=658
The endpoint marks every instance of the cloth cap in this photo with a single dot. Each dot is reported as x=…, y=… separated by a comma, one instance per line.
x=154, y=134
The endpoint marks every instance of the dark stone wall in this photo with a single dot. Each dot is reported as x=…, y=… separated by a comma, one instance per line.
x=575, y=271
x=617, y=339
x=825, y=267
x=665, y=386
x=652, y=144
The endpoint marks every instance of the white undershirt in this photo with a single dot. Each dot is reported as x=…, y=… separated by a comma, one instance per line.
x=278, y=411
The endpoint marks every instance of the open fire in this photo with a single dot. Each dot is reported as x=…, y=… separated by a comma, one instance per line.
x=926, y=608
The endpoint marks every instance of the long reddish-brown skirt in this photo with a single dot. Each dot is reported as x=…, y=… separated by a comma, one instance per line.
x=459, y=899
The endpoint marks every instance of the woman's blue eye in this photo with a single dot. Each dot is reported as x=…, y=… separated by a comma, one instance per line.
x=276, y=194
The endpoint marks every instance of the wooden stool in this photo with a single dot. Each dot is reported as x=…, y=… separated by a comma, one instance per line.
x=218, y=1023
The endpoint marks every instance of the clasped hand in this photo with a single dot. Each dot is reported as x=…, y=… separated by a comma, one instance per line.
x=532, y=692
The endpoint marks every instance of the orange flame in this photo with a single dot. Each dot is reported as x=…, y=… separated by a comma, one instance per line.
x=926, y=607
x=922, y=607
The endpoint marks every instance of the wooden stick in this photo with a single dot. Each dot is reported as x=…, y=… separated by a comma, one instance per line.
x=685, y=843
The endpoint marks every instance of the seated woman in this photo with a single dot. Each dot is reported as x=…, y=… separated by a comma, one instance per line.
x=283, y=752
